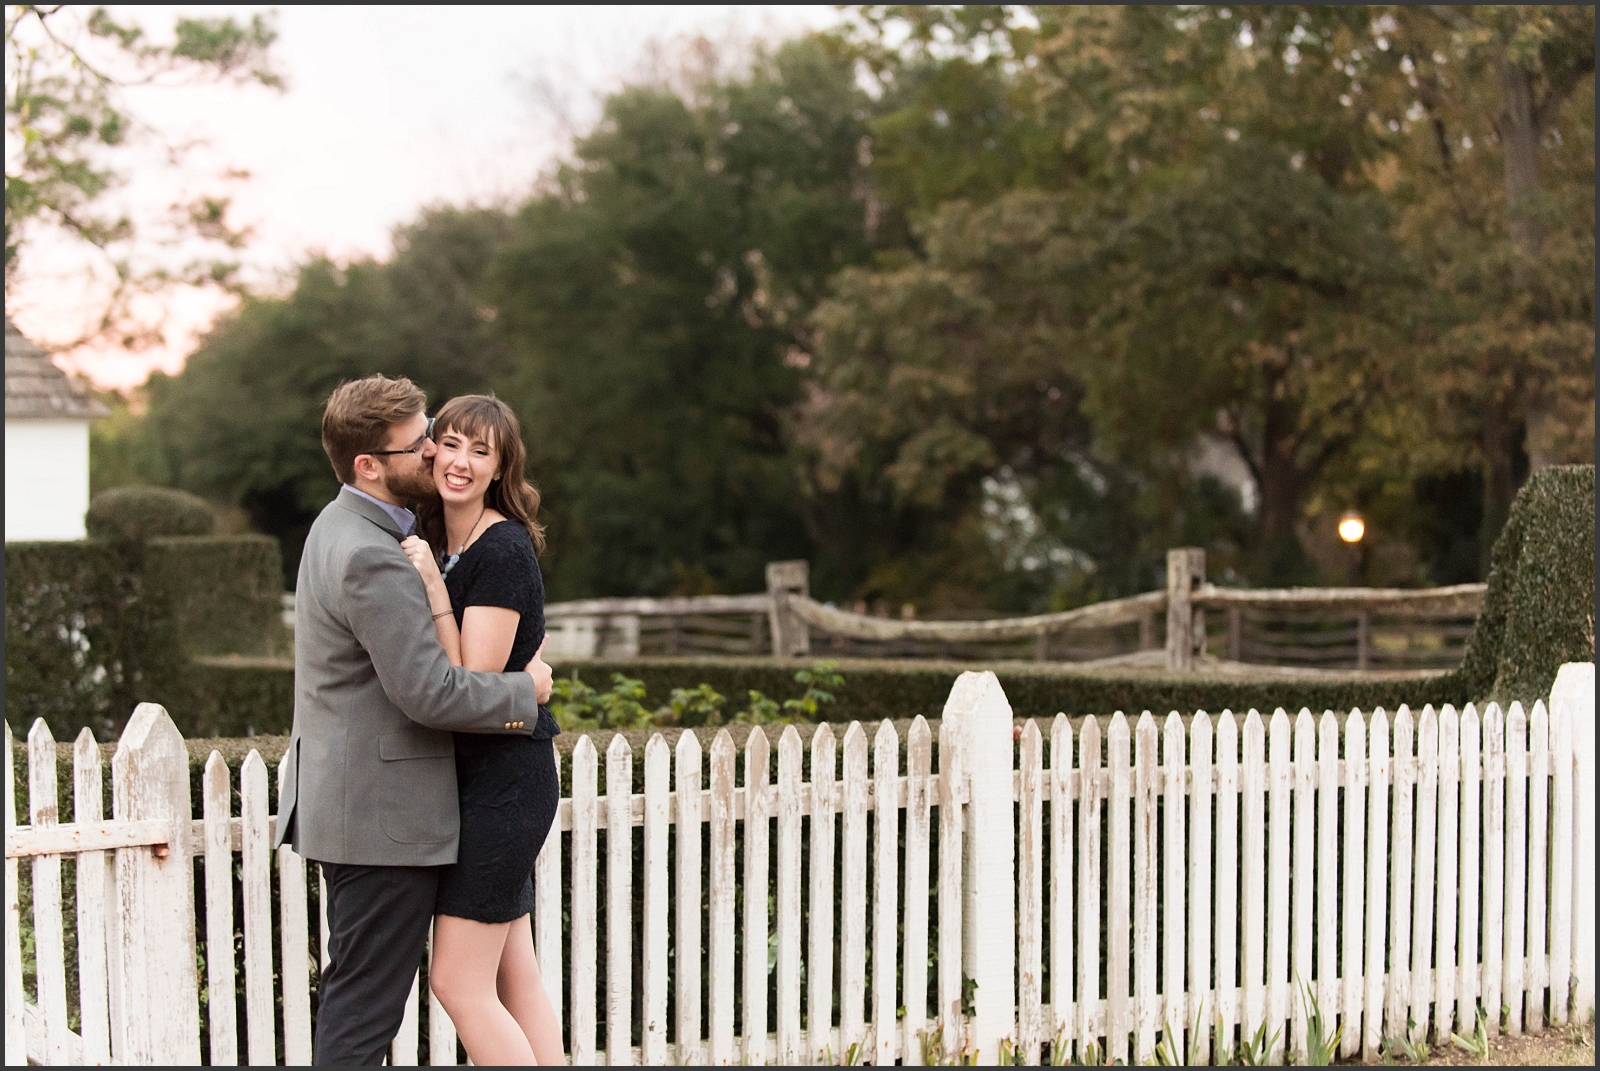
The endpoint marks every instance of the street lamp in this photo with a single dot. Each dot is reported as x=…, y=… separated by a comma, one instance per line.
x=1352, y=529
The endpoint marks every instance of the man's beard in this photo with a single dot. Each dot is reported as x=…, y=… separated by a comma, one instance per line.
x=410, y=486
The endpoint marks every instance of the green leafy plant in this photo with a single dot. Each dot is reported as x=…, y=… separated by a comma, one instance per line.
x=1320, y=1047
x=580, y=708
x=1476, y=1046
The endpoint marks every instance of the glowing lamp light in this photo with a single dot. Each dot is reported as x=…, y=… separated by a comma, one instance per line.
x=1352, y=527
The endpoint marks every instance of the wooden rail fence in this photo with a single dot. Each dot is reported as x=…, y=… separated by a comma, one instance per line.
x=1115, y=882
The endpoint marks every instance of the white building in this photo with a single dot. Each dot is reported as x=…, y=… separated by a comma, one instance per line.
x=47, y=444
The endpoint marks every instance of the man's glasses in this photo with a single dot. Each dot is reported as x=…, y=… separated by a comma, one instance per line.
x=414, y=448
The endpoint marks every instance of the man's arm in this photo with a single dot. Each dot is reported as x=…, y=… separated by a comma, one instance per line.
x=388, y=612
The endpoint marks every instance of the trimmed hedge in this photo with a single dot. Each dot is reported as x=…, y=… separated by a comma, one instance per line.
x=97, y=626
x=137, y=513
x=875, y=689
x=1539, y=610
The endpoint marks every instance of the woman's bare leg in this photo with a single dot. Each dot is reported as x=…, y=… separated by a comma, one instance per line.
x=522, y=991
x=466, y=961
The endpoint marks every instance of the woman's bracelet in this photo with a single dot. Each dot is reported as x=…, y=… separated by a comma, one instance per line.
x=441, y=613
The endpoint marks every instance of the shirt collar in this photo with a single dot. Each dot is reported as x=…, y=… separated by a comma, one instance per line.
x=399, y=514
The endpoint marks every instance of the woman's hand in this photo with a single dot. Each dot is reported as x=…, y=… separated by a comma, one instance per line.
x=416, y=548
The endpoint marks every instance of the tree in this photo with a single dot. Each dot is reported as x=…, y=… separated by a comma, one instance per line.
x=241, y=424
x=67, y=125
x=655, y=300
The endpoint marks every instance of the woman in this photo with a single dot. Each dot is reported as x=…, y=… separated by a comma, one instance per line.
x=487, y=598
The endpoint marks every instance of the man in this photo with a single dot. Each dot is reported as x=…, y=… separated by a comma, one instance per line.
x=370, y=788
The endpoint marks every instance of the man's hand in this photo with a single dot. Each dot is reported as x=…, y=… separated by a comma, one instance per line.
x=543, y=676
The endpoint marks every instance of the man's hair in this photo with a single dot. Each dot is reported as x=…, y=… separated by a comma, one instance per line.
x=360, y=413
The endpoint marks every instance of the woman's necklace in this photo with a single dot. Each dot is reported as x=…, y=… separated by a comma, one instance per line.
x=450, y=562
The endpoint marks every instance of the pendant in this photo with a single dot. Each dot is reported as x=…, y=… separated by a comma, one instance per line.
x=449, y=564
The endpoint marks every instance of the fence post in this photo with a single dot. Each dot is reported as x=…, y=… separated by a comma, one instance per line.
x=1573, y=697
x=980, y=717
x=1186, y=570
x=789, y=634
x=155, y=894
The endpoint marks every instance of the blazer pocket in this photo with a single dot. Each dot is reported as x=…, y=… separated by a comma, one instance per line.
x=415, y=744
x=417, y=794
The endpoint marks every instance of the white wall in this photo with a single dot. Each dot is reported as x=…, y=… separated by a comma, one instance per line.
x=47, y=478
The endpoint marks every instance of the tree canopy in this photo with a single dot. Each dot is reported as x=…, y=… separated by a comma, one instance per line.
x=986, y=307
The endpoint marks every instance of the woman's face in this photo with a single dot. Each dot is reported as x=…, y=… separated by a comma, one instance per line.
x=465, y=466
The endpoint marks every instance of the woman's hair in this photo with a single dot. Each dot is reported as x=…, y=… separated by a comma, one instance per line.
x=483, y=416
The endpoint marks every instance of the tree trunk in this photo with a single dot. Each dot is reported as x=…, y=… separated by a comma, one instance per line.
x=1499, y=444
x=1519, y=124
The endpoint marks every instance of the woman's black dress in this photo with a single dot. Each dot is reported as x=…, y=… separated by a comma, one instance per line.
x=508, y=784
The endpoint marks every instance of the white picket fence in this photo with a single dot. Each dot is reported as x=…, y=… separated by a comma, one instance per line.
x=1187, y=880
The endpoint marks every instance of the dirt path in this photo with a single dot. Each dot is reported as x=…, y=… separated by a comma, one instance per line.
x=1571, y=1045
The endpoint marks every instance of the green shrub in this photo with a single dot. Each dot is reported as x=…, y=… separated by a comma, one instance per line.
x=95, y=627
x=136, y=513
x=1539, y=610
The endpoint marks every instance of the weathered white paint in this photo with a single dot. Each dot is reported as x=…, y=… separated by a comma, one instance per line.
x=47, y=478
x=1573, y=698
x=1520, y=799
x=88, y=806
x=217, y=801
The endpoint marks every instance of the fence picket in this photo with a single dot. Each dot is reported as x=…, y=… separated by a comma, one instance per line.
x=1119, y=922
x=547, y=886
x=88, y=805
x=294, y=931
x=819, y=963
x=1561, y=852
x=1494, y=859
x=1377, y=881
x=1302, y=876
x=49, y=948
x=1402, y=776
x=1467, y=977
x=1225, y=935
x=853, y=896
x=441, y=1031
x=217, y=792
x=1423, y=873
x=721, y=892
x=1063, y=792
x=256, y=864
x=1253, y=878
x=1175, y=1016
x=1328, y=865
x=16, y=1026
x=1201, y=1010
x=919, y=760
x=1147, y=774
x=403, y=1050
x=1091, y=774
x=1513, y=955
x=156, y=1017
x=585, y=867
x=1445, y=914
x=1536, y=975
x=1350, y=950
x=757, y=835
x=1030, y=893
x=951, y=833
x=791, y=756
x=657, y=774
x=1279, y=804
x=619, y=900
x=690, y=949
x=885, y=889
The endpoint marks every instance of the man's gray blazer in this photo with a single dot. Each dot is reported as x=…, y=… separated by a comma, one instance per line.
x=371, y=777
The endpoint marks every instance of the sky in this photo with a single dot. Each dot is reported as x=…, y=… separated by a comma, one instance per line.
x=387, y=110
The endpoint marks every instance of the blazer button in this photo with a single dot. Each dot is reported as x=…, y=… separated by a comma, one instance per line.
x=508, y=725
